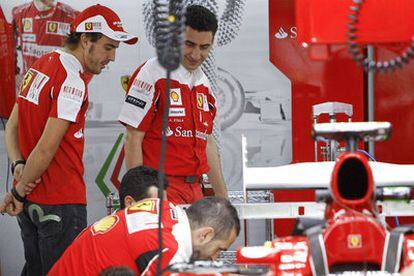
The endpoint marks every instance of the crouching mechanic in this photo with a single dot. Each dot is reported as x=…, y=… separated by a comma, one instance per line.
x=139, y=183
x=129, y=237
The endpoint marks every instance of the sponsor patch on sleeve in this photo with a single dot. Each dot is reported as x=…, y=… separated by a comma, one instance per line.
x=32, y=85
x=135, y=101
x=104, y=225
x=141, y=87
x=72, y=93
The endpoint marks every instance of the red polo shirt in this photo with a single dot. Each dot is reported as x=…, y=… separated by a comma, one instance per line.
x=190, y=120
x=54, y=87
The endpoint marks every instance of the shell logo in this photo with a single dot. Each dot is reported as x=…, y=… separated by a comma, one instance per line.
x=174, y=96
x=27, y=25
x=104, y=225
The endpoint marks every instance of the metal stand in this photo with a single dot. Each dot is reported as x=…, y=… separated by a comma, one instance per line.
x=331, y=150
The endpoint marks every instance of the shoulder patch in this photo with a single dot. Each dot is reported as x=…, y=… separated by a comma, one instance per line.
x=135, y=101
x=32, y=85
x=104, y=225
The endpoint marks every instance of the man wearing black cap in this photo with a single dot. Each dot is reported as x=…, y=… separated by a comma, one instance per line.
x=44, y=138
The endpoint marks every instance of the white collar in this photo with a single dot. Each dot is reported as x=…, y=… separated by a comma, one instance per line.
x=182, y=234
x=71, y=59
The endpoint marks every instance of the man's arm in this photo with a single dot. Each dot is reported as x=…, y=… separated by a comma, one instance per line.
x=133, y=147
x=215, y=174
x=43, y=153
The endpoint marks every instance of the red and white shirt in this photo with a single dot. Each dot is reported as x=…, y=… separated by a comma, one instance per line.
x=190, y=120
x=54, y=88
x=129, y=238
x=41, y=32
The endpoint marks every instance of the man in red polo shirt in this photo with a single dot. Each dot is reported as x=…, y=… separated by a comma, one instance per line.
x=44, y=138
x=129, y=238
x=191, y=149
x=41, y=27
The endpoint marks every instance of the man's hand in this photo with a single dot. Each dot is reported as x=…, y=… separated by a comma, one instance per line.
x=11, y=205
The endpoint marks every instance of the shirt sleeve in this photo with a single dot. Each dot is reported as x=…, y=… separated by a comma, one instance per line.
x=139, y=106
x=68, y=98
x=147, y=262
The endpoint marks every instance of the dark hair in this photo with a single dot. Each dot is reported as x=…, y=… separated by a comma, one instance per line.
x=216, y=212
x=136, y=183
x=72, y=40
x=117, y=271
x=201, y=19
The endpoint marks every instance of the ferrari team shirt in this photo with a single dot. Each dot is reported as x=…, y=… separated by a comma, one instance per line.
x=54, y=88
x=129, y=238
x=41, y=32
x=190, y=118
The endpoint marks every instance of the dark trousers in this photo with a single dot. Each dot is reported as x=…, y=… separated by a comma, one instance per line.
x=47, y=230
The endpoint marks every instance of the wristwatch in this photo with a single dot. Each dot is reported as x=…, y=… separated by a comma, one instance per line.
x=15, y=163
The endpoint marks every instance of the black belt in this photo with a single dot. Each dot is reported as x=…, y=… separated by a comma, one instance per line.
x=191, y=178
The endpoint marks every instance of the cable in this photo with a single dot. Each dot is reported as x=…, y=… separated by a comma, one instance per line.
x=169, y=16
x=367, y=154
x=357, y=54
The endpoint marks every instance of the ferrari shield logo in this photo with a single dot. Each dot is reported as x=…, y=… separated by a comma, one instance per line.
x=26, y=81
x=104, y=225
x=200, y=101
x=144, y=205
x=52, y=27
x=354, y=241
x=88, y=26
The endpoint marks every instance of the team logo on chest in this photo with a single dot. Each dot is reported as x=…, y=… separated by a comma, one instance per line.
x=52, y=27
x=202, y=102
x=175, y=97
x=57, y=28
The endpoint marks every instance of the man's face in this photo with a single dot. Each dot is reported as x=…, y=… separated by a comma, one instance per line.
x=211, y=250
x=197, y=46
x=98, y=54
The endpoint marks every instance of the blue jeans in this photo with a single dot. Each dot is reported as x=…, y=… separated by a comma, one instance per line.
x=47, y=230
